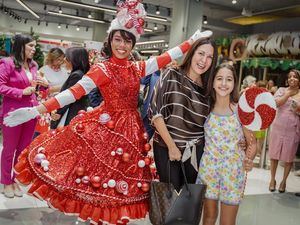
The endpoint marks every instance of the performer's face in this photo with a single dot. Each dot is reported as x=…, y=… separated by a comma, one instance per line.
x=121, y=47
x=202, y=59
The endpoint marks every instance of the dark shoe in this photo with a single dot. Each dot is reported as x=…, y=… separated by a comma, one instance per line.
x=297, y=194
x=272, y=187
x=282, y=187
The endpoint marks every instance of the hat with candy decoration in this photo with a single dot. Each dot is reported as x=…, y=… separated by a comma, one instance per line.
x=130, y=17
x=256, y=108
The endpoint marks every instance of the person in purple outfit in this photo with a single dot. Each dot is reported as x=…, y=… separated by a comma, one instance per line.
x=17, y=74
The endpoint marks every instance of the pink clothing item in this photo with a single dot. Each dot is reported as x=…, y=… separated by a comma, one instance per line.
x=12, y=147
x=15, y=139
x=285, y=132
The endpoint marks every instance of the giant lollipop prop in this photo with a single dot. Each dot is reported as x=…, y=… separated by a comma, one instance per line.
x=256, y=109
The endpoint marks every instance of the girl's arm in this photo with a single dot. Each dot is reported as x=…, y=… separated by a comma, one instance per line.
x=155, y=63
x=251, y=149
x=282, y=96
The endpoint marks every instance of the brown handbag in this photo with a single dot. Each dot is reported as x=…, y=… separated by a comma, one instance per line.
x=169, y=207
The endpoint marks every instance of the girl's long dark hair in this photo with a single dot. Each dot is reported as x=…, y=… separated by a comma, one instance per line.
x=106, y=50
x=186, y=64
x=234, y=95
x=79, y=58
x=18, y=49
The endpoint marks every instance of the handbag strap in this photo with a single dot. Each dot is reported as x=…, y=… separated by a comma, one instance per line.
x=184, y=176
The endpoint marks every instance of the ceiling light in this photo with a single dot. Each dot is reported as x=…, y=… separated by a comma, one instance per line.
x=78, y=28
x=67, y=26
x=204, y=19
x=157, y=12
x=155, y=27
x=25, y=21
x=104, y=9
x=45, y=7
x=150, y=51
x=246, y=12
x=47, y=24
x=60, y=11
x=150, y=42
x=75, y=17
x=97, y=1
x=59, y=26
x=87, y=29
x=148, y=30
x=28, y=9
x=90, y=15
x=234, y=1
x=86, y=6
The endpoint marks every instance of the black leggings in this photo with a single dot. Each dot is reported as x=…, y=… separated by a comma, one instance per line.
x=161, y=157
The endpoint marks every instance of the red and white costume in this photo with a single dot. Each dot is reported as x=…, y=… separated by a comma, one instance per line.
x=94, y=170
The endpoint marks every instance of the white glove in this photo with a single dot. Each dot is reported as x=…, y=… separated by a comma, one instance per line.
x=20, y=116
x=200, y=35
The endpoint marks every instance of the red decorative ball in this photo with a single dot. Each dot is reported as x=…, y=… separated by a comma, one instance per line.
x=145, y=187
x=141, y=21
x=256, y=109
x=126, y=157
x=80, y=128
x=81, y=112
x=145, y=136
x=147, y=161
x=147, y=147
x=111, y=124
x=80, y=171
x=95, y=181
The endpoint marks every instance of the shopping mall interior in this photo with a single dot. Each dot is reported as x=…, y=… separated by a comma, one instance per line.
x=262, y=38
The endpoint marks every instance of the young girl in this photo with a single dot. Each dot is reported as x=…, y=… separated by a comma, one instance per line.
x=223, y=164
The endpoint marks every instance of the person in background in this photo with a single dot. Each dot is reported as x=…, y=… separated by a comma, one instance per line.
x=17, y=75
x=248, y=82
x=76, y=61
x=223, y=164
x=285, y=131
x=54, y=72
x=272, y=87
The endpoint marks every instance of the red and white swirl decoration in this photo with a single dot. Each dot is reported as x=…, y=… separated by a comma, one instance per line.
x=256, y=109
x=122, y=187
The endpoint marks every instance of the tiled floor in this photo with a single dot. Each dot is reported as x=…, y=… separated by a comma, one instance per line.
x=260, y=207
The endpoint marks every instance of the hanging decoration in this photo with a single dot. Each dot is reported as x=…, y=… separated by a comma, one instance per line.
x=273, y=63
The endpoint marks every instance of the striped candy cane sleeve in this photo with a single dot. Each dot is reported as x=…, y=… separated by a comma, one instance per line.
x=155, y=63
x=95, y=77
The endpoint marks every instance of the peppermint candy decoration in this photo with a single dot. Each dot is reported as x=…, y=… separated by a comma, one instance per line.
x=122, y=187
x=256, y=109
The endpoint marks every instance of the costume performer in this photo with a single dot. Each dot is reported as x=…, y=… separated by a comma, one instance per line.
x=97, y=167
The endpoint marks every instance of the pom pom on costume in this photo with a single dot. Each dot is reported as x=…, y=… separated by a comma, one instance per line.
x=130, y=17
x=256, y=109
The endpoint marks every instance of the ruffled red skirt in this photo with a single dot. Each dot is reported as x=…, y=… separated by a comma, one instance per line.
x=97, y=171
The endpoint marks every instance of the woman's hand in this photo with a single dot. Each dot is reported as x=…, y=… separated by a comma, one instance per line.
x=174, y=153
x=29, y=90
x=55, y=116
x=42, y=81
x=248, y=164
x=243, y=144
